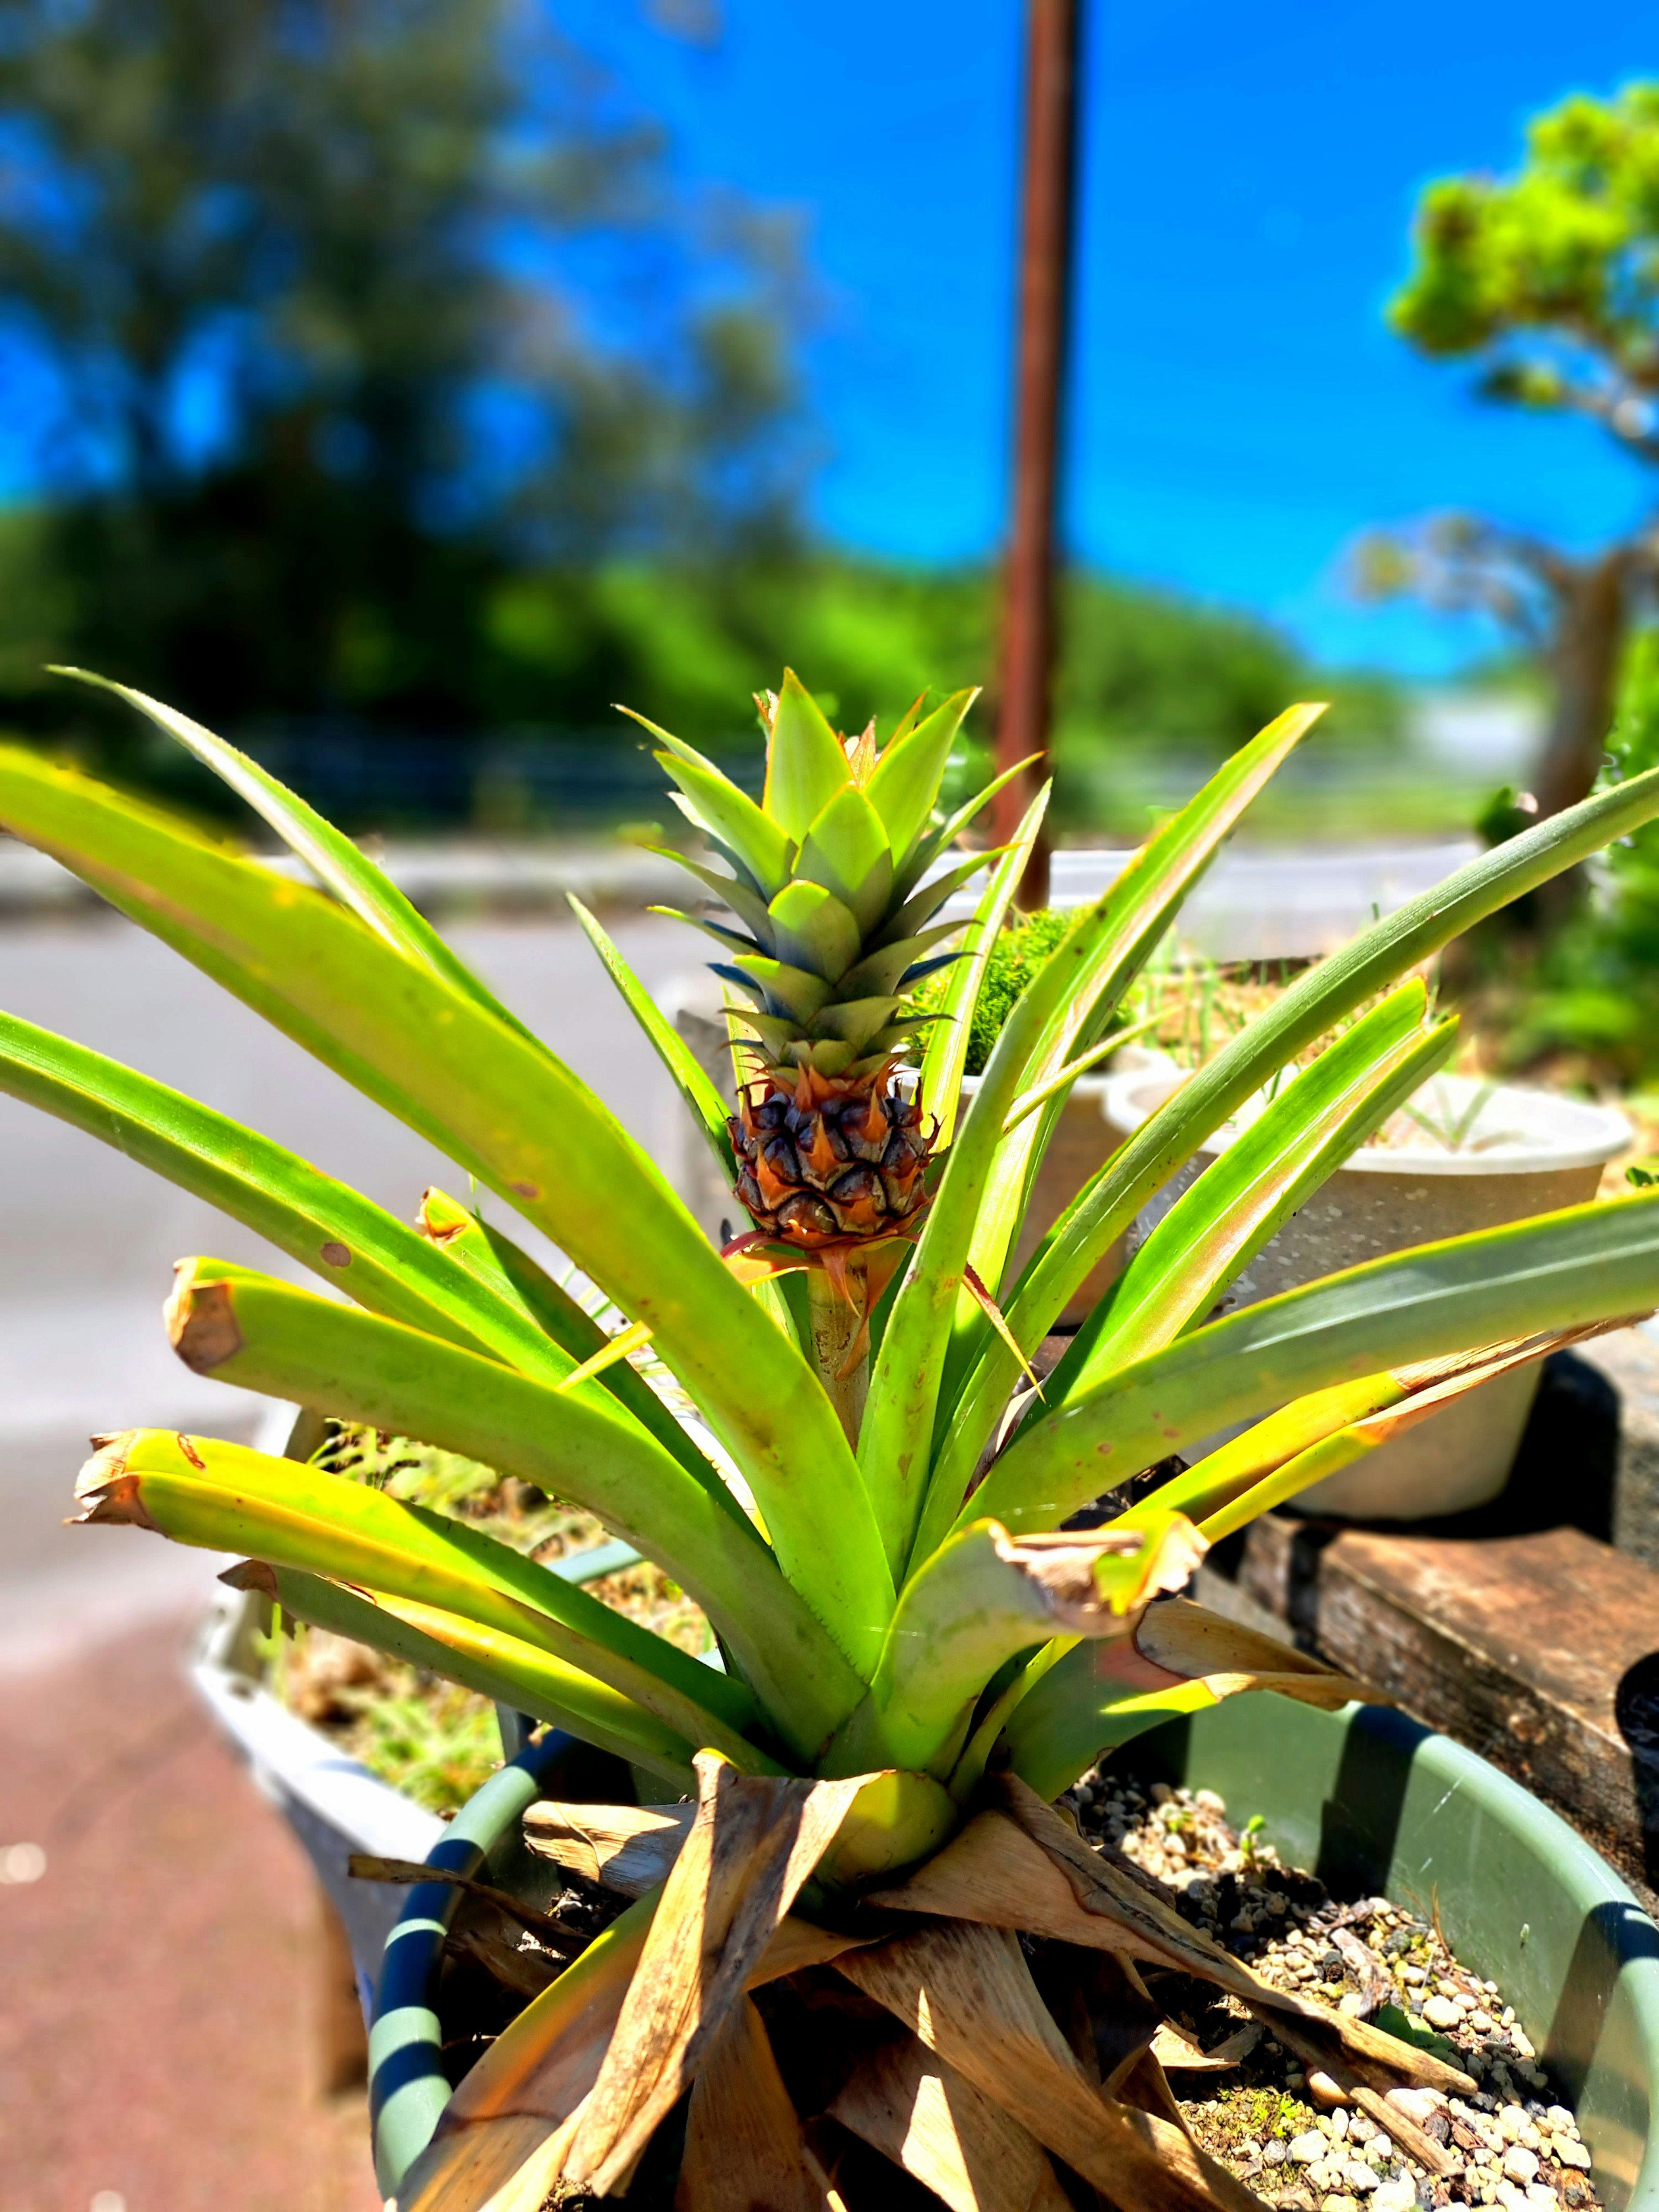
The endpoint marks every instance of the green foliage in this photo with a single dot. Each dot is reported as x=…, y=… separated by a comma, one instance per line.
x=1019, y=950
x=1550, y=277
x=256, y=251
x=869, y=1620
x=1595, y=990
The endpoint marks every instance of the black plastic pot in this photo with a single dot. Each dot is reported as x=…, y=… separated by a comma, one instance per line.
x=1367, y=1799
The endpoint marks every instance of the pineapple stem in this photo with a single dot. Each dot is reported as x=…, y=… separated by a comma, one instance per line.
x=835, y=1325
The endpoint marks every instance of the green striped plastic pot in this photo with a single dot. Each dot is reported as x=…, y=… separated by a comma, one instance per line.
x=1367, y=1799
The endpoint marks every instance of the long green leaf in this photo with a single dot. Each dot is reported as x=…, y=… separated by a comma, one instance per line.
x=1215, y=1229
x=1560, y=1271
x=1083, y=1707
x=946, y=1055
x=428, y=1281
x=906, y=776
x=1077, y=985
x=352, y=1243
x=223, y=1497
x=1219, y=1225
x=327, y=852
x=704, y=1103
x=246, y=1328
x=501, y=1668
x=492, y=1260
x=1082, y=1701
x=518, y=1119
x=982, y=1598
x=1130, y=921
x=1317, y=999
x=1317, y=1435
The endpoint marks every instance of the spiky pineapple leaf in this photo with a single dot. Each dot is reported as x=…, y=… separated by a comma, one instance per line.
x=792, y=991
x=905, y=784
x=920, y=909
x=932, y=848
x=806, y=766
x=743, y=900
x=847, y=851
x=708, y=1109
x=887, y=969
x=815, y=930
x=715, y=802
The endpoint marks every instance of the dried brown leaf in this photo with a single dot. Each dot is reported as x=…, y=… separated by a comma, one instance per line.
x=967, y=1993
x=494, y=1943
x=1192, y=1644
x=365, y=1866
x=628, y=1848
x=906, y=2102
x=1149, y=1927
x=493, y=2167
x=754, y=1840
x=743, y=2138
x=1178, y=2054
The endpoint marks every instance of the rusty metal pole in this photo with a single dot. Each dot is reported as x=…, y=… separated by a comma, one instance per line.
x=1045, y=268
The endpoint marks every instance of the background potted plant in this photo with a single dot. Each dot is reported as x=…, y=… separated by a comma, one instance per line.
x=918, y=1656
x=1460, y=1154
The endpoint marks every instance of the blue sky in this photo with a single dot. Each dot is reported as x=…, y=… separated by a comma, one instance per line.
x=1247, y=177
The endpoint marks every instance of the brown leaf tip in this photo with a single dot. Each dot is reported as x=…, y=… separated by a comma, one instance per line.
x=201, y=1319
x=251, y=1574
x=105, y=1491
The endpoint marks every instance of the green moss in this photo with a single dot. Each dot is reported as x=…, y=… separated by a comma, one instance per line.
x=1242, y=2115
x=1019, y=951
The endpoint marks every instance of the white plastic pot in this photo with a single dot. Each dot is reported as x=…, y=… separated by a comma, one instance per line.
x=1525, y=1152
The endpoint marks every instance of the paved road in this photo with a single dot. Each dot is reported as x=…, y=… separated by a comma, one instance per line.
x=88, y=1238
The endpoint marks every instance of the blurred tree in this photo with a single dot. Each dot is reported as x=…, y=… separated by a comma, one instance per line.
x=1548, y=283
x=1589, y=1001
x=306, y=280
x=695, y=640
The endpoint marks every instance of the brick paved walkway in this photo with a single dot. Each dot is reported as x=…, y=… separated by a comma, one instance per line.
x=156, y=1994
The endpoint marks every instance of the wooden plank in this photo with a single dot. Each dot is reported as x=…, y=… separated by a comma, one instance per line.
x=1541, y=1652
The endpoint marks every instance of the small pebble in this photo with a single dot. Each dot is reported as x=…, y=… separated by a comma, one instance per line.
x=1520, y=2164
x=1397, y=2195
x=1441, y=2012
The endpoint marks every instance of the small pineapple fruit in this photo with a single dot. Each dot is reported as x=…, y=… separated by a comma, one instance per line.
x=827, y=880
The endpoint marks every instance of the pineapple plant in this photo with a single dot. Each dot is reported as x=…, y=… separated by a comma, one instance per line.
x=918, y=1652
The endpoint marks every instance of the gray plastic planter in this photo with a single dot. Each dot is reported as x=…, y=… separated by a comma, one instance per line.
x=1367, y=1798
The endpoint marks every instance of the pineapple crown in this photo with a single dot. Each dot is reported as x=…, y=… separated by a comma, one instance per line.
x=834, y=875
